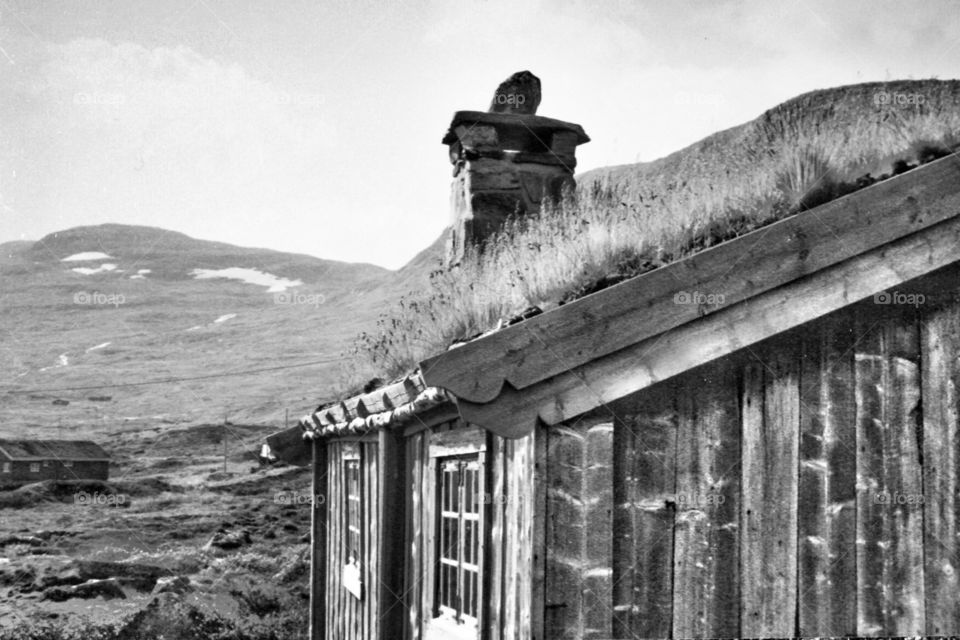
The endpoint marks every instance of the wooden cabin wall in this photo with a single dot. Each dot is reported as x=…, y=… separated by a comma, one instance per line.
x=507, y=576
x=509, y=569
x=806, y=486
x=350, y=618
x=418, y=583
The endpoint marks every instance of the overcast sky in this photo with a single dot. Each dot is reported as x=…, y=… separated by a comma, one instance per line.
x=314, y=126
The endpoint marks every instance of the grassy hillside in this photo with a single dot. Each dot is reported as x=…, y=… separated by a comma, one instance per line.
x=633, y=218
x=71, y=336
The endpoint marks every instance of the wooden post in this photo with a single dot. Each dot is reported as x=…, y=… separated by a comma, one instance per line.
x=318, y=541
x=392, y=613
x=224, y=443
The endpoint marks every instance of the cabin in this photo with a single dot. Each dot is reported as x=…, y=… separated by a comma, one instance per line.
x=759, y=440
x=26, y=461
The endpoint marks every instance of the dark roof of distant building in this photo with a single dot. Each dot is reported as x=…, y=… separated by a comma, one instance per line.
x=52, y=449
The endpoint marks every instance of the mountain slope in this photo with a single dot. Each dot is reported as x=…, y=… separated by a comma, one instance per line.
x=129, y=308
x=858, y=129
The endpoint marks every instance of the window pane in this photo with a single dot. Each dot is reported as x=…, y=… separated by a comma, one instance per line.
x=450, y=539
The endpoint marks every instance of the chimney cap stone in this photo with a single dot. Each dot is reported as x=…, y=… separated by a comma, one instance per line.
x=505, y=121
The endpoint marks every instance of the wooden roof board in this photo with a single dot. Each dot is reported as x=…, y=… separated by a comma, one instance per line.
x=605, y=322
x=608, y=378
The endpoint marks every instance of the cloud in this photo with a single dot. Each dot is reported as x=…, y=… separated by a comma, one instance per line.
x=99, y=131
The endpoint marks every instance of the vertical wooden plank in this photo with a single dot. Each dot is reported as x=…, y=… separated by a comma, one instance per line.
x=429, y=527
x=349, y=600
x=539, y=539
x=889, y=509
x=562, y=617
x=579, y=529
x=827, y=603
x=373, y=525
x=523, y=498
x=770, y=418
x=904, y=476
x=869, y=385
x=318, y=542
x=495, y=457
x=940, y=358
x=412, y=496
x=643, y=495
x=706, y=541
x=390, y=559
x=597, y=494
x=510, y=542
x=336, y=544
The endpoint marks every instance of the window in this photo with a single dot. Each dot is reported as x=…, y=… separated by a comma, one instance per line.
x=68, y=463
x=46, y=463
x=34, y=467
x=352, y=580
x=459, y=538
x=6, y=467
x=351, y=470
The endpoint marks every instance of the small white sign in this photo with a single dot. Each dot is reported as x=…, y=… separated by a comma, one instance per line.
x=351, y=579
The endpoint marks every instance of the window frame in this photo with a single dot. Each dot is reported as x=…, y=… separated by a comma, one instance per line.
x=34, y=467
x=466, y=472
x=351, y=513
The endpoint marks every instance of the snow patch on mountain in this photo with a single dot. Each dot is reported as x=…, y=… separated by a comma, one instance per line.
x=274, y=284
x=89, y=271
x=86, y=256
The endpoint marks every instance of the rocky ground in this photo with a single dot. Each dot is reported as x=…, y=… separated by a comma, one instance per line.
x=171, y=542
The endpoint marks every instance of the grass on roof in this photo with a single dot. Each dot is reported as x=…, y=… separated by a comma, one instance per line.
x=627, y=220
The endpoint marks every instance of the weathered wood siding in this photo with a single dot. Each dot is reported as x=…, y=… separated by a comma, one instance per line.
x=806, y=486
x=349, y=617
x=579, y=529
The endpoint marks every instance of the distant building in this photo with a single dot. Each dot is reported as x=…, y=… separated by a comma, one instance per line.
x=24, y=461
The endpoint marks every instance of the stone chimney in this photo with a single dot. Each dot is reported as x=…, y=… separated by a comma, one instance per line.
x=506, y=161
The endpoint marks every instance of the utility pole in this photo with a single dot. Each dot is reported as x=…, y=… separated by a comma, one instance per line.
x=224, y=443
